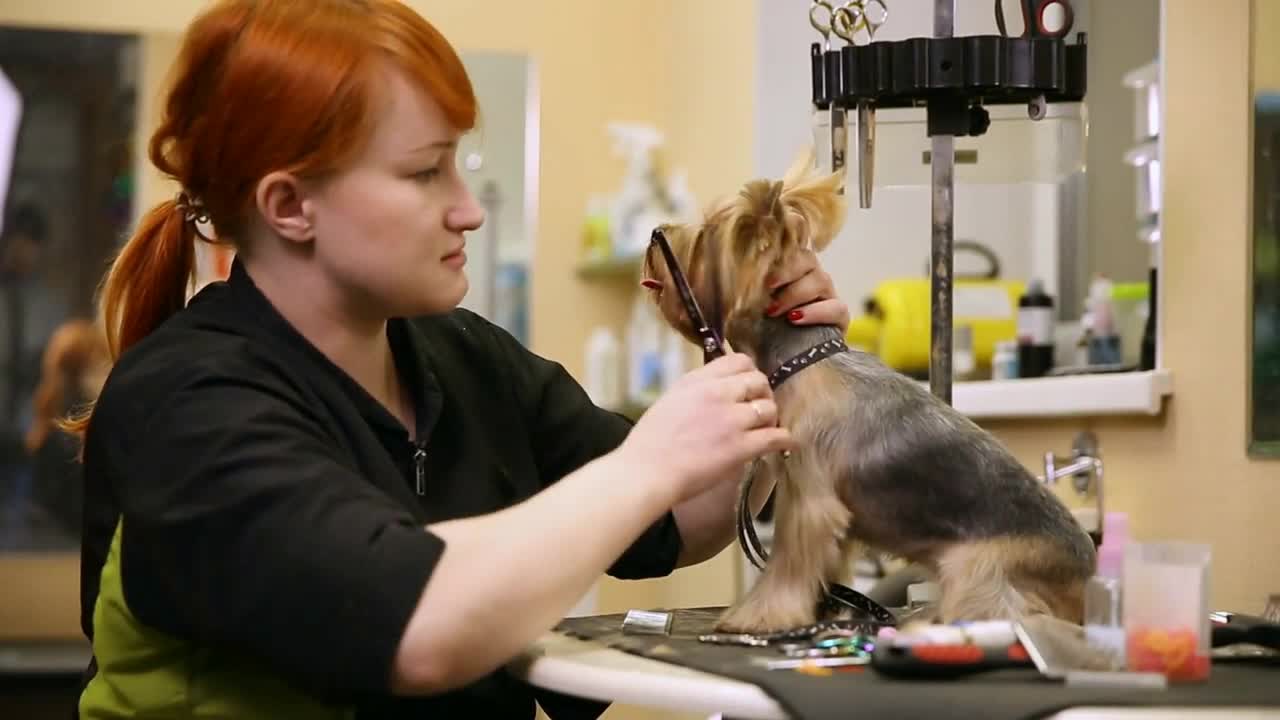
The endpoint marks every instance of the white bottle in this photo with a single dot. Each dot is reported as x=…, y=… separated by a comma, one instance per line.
x=644, y=352
x=675, y=356
x=1004, y=362
x=604, y=369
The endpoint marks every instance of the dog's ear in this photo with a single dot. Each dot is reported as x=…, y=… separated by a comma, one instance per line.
x=812, y=207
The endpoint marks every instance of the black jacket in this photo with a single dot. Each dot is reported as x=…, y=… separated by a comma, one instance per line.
x=271, y=504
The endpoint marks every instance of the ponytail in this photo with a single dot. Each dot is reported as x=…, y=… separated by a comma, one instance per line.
x=146, y=285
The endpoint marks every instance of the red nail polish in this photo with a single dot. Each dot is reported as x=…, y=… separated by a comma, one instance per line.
x=795, y=315
x=773, y=308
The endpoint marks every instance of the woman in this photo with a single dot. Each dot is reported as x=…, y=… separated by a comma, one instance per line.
x=72, y=371
x=321, y=489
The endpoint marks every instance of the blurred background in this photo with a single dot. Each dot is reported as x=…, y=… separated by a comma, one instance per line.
x=1144, y=213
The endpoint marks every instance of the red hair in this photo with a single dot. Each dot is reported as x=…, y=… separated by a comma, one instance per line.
x=263, y=86
x=73, y=357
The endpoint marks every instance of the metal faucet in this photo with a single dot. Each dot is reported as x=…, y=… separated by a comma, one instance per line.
x=1084, y=466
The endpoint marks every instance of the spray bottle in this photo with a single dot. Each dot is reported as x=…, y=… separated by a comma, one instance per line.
x=645, y=200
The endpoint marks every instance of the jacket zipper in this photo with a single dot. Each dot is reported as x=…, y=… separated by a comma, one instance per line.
x=420, y=469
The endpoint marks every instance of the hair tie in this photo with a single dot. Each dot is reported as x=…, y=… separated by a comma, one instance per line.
x=193, y=212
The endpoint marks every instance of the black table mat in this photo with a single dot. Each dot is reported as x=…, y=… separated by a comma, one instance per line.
x=999, y=695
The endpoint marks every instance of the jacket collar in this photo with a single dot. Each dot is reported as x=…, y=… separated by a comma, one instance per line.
x=253, y=314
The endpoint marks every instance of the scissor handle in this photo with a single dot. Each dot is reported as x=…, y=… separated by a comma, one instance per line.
x=871, y=24
x=848, y=20
x=823, y=29
x=856, y=15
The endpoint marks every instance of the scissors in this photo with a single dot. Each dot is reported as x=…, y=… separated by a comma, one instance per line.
x=824, y=28
x=857, y=15
x=713, y=344
x=1034, y=20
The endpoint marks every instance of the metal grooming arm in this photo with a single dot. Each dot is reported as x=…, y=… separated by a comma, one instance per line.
x=953, y=78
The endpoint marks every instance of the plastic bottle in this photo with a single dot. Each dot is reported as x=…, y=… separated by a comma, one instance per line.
x=675, y=354
x=1035, y=331
x=1103, y=623
x=644, y=200
x=1104, y=341
x=1129, y=302
x=604, y=369
x=596, y=243
x=644, y=352
x=1004, y=362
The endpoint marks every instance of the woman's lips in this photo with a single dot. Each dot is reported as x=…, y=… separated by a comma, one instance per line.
x=455, y=259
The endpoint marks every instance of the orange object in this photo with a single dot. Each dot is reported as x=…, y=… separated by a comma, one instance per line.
x=1173, y=653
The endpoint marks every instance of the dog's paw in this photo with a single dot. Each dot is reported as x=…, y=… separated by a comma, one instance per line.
x=759, y=618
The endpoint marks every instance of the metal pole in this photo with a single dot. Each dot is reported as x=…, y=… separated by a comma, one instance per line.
x=942, y=255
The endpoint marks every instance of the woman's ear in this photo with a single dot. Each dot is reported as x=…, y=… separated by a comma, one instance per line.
x=282, y=203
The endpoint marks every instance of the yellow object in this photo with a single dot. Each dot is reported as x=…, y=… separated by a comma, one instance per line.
x=899, y=332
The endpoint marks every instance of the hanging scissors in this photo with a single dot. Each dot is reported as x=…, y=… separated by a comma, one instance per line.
x=827, y=70
x=1036, y=18
x=852, y=17
x=856, y=15
x=817, y=8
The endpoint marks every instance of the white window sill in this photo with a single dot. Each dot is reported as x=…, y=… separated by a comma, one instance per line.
x=1132, y=393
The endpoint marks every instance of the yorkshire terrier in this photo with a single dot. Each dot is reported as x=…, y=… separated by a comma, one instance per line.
x=879, y=463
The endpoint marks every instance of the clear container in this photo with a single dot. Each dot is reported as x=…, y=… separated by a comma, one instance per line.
x=1166, y=609
x=1103, y=597
x=1103, y=625
x=1130, y=304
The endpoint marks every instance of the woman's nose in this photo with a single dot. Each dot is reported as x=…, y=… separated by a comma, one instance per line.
x=466, y=215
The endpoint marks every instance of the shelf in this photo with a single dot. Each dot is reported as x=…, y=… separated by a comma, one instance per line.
x=1131, y=393
x=613, y=267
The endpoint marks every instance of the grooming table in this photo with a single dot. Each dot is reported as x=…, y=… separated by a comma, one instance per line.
x=590, y=657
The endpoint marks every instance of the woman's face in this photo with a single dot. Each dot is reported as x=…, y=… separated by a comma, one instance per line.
x=389, y=228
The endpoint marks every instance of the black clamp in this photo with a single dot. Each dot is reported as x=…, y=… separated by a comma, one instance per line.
x=953, y=77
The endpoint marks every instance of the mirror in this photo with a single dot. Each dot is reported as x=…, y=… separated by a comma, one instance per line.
x=499, y=163
x=1264, y=281
x=67, y=124
x=1057, y=201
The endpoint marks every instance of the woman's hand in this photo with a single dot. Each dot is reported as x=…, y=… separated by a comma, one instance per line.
x=709, y=424
x=804, y=293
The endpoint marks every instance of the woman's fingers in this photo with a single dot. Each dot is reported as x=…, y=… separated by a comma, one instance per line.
x=728, y=364
x=767, y=440
x=760, y=413
x=823, y=312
